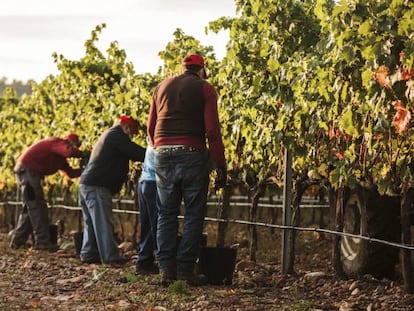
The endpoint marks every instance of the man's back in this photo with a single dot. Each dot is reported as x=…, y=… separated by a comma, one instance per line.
x=49, y=155
x=180, y=107
x=109, y=162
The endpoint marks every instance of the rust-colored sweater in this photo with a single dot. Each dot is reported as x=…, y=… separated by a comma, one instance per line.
x=184, y=112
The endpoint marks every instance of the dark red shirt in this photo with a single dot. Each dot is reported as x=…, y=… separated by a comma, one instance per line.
x=49, y=155
x=184, y=112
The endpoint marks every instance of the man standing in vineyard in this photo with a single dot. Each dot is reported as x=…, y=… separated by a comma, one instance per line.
x=183, y=114
x=43, y=158
x=102, y=178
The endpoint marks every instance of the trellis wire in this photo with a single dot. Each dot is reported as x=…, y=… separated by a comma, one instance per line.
x=242, y=222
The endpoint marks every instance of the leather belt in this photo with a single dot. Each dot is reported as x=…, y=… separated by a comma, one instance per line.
x=176, y=148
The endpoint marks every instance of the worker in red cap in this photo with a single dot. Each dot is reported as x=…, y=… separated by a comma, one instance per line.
x=43, y=158
x=183, y=117
x=103, y=177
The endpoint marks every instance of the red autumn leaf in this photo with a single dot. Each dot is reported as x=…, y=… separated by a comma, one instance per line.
x=331, y=132
x=338, y=133
x=402, y=117
x=406, y=74
x=399, y=106
x=340, y=155
x=378, y=136
x=381, y=76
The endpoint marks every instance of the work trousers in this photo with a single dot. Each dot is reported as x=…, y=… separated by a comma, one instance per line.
x=98, y=234
x=147, y=193
x=34, y=217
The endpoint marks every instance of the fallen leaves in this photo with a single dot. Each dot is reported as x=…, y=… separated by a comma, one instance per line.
x=44, y=281
x=76, y=279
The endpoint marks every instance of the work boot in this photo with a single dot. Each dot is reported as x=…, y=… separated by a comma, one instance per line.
x=146, y=269
x=118, y=263
x=19, y=246
x=47, y=247
x=193, y=279
x=91, y=260
x=167, y=278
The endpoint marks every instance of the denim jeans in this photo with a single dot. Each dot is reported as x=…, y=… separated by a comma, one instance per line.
x=98, y=220
x=181, y=175
x=147, y=193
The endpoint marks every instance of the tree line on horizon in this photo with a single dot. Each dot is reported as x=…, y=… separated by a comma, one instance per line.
x=20, y=87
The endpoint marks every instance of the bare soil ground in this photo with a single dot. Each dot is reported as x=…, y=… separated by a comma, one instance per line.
x=35, y=280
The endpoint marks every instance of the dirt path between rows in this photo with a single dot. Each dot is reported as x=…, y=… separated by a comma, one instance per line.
x=33, y=280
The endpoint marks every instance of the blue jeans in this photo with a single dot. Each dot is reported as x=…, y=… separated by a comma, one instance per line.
x=98, y=220
x=180, y=175
x=147, y=193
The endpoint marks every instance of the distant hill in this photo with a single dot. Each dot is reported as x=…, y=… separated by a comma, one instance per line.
x=20, y=87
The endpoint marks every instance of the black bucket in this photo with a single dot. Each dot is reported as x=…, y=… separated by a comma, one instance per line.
x=53, y=229
x=217, y=263
x=78, y=240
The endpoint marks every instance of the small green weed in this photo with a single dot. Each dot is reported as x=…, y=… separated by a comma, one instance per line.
x=179, y=287
x=302, y=306
x=131, y=277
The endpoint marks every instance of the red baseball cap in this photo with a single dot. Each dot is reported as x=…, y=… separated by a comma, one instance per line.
x=193, y=59
x=73, y=137
x=131, y=122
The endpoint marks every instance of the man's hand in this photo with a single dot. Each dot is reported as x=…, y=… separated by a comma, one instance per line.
x=221, y=178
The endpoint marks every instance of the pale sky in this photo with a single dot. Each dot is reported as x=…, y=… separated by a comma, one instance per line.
x=31, y=30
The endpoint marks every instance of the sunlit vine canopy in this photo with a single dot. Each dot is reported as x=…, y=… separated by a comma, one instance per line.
x=330, y=80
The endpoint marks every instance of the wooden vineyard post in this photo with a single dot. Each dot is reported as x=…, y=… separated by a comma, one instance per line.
x=406, y=263
x=287, y=212
x=222, y=213
x=339, y=226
